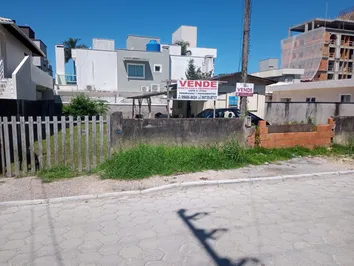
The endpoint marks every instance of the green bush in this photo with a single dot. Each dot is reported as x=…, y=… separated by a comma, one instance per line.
x=82, y=105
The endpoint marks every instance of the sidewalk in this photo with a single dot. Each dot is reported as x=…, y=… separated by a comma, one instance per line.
x=28, y=188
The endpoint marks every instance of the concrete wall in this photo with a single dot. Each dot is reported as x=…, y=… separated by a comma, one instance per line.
x=344, y=130
x=281, y=113
x=139, y=43
x=96, y=69
x=174, y=131
x=41, y=78
x=186, y=33
x=130, y=86
x=179, y=65
x=103, y=44
x=59, y=64
x=22, y=81
x=321, y=95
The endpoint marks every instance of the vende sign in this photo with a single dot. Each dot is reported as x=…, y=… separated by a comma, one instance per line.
x=244, y=89
x=197, y=90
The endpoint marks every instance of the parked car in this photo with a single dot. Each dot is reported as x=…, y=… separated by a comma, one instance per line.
x=227, y=113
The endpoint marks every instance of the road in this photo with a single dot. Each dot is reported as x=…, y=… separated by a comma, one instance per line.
x=299, y=222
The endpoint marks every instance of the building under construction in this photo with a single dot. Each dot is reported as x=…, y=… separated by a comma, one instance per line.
x=324, y=48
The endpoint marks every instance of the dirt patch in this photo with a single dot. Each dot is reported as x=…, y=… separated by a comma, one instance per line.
x=32, y=188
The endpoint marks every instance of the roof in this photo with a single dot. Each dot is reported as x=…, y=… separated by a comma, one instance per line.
x=272, y=73
x=252, y=79
x=12, y=28
x=338, y=23
x=327, y=84
x=147, y=95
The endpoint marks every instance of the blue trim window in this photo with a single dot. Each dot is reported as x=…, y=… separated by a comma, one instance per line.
x=136, y=71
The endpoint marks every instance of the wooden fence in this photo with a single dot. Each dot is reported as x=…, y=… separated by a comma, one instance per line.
x=27, y=146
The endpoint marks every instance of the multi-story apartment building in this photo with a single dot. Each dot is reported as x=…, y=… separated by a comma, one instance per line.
x=324, y=48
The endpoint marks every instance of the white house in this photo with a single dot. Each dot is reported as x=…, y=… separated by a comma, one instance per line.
x=143, y=66
x=105, y=72
x=19, y=77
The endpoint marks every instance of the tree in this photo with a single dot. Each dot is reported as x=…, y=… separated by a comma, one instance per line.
x=184, y=47
x=194, y=73
x=82, y=105
x=69, y=44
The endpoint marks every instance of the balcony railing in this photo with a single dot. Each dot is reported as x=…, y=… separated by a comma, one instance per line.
x=66, y=80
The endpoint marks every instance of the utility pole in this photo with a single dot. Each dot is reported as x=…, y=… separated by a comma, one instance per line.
x=245, y=51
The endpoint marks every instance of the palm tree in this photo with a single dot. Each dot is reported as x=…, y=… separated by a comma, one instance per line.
x=72, y=43
x=184, y=47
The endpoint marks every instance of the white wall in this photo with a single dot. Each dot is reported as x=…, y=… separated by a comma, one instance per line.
x=59, y=64
x=202, y=52
x=186, y=33
x=22, y=81
x=321, y=95
x=96, y=68
x=41, y=78
x=15, y=52
x=103, y=44
x=179, y=65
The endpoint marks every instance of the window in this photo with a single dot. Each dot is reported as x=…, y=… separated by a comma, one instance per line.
x=345, y=98
x=136, y=71
x=311, y=100
x=286, y=100
x=179, y=104
x=158, y=68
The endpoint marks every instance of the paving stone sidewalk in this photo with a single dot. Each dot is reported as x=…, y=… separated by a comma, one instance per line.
x=302, y=222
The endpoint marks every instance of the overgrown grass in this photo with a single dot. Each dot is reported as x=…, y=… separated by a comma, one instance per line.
x=65, y=158
x=57, y=173
x=147, y=160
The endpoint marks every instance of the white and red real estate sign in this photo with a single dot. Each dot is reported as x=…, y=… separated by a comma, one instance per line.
x=244, y=89
x=197, y=90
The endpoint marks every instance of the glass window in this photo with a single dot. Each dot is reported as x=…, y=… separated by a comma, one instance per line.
x=311, y=99
x=136, y=71
x=345, y=98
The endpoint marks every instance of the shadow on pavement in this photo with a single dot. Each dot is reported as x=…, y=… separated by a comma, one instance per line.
x=202, y=235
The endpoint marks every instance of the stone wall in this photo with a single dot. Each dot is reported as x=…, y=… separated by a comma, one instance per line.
x=344, y=130
x=320, y=136
x=175, y=131
x=296, y=112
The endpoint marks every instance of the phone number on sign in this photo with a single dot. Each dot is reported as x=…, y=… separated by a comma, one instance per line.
x=194, y=97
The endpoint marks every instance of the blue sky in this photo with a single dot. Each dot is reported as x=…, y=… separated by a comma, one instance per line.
x=219, y=22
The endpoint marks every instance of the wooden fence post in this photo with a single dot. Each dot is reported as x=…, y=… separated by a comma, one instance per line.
x=2, y=148
x=23, y=145
x=15, y=145
x=7, y=148
x=31, y=146
x=40, y=143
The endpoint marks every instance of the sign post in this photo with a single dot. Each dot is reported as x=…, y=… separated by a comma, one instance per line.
x=197, y=90
x=244, y=89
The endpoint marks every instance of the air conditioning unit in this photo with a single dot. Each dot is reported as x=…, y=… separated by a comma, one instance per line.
x=155, y=87
x=145, y=88
x=90, y=87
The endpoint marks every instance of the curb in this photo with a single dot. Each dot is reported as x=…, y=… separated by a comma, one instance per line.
x=172, y=186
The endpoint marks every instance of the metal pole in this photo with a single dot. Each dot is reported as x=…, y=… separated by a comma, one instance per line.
x=168, y=99
x=245, y=51
x=214, y=109
x=133, y=108
x=140, y=102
